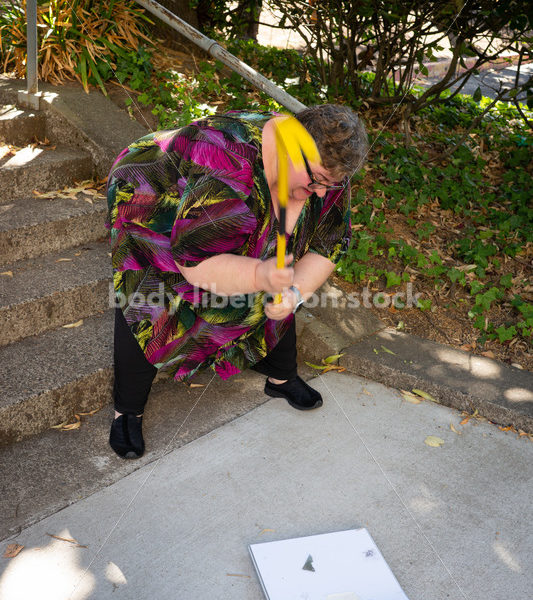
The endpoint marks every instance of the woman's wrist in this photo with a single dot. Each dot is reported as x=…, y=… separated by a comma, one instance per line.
x=297, y=298
x=258, y=275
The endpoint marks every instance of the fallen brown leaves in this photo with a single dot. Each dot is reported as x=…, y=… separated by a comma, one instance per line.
x=416, y=396
x=479, y=418
x=12, y=550
x=88, y=189
x=66, y=426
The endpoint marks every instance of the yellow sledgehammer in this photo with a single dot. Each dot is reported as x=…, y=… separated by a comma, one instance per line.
x=292, y=142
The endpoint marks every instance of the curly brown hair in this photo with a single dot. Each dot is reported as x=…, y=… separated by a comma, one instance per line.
x=340, y=136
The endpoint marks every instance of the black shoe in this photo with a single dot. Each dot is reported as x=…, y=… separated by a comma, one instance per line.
x=298, y=394
x=126, y=436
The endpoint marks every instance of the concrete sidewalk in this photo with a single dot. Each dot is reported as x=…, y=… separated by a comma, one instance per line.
x=453, y=522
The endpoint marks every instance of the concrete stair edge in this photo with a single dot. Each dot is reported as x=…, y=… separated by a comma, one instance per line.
x=47, y=378
x=91, y=121
x=51, y=169
x=32, y=227
x=49, y=291
x=20, y=127
x=501, y=393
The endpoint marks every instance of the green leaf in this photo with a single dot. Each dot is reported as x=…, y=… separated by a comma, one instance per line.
x=94, y=71
x=392, y=279
x=387, y=350
x=83, y=73
x=475, y=287
x=424, y=303
x=477, y=94
x=319, y=367
x=507, y=280
x=506, y=333
x=331, y=359
x=424, y=395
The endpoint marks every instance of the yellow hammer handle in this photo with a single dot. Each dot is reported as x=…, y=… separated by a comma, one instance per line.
x=283, y=198
x=292, y=139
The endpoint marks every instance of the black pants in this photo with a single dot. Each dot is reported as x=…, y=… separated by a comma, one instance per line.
x=134, y=375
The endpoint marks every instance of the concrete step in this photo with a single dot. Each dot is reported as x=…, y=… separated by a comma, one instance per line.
x=35, y=226
x=53, y=469
x=48, y=378
x=53, y=290
x=20, y=127
x=42, y=169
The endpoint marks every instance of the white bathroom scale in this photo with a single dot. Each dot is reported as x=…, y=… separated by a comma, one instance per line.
x=343, y=565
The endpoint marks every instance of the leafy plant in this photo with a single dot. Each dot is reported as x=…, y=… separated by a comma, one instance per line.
x=79, y=40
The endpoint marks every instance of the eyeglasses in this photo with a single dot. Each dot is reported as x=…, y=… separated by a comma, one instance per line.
x=318, y=184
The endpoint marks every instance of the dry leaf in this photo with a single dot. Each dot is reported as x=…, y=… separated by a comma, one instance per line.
x=265, y=530
x=410, y=397
x=336, y=368
x=70, y=540
x=66, y=426
x=464, y=421
x=90, y=413
x=12, y=550
x=64, y=259
x=433, y=441
x=71, y=426
x=424, y=395
x=489, y=354
x=455, y=430
x=7, y=273
x=365, y=391
x=76, y=324
x=196, y=385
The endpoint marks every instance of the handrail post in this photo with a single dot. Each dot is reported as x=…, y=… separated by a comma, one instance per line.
x=31, y=37
x=30, y=97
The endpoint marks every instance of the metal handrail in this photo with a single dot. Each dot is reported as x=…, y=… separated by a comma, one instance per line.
x=220, y=53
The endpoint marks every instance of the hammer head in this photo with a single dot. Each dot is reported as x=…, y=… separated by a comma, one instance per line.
x=294, y=139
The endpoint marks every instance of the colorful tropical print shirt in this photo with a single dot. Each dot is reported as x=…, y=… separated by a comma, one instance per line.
x=178, y=197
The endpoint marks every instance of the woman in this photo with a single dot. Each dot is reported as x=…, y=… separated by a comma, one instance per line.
x=193, y=215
